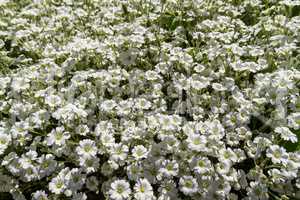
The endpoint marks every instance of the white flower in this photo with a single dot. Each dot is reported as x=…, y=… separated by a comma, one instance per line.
x=58, y=137
x=152, y=75
x=20, y=83
x=201, y=165
x=216, y=129
x=69, y=112
x=108, y=105
x=290, y=2
x=218, y=87
x=75, y=179
x=199, y=84
x=139, y=152
x=107, y=139
x=28, y=159
x=295, y=158
x=277, y=154
x=53, y=100
x=188, y=185
x=5, y=140
x=119, y=190
x=142, y=103
x=227, y=154
x=40, y=195
x=57, y=185
x=119, y=152
x=125, y=107
x=82, y=129
x=79, y=196
x=143, y=190
x=169, y=168
x=134, y=171
x=258, y=191
x=254, y=51
x=223, y=167
x=276, y=175
x=286, y=134
x=30, y=173
x=47, y=164
x=89, y=164
x=196, y=142
x=168, y=190
x=86, y=148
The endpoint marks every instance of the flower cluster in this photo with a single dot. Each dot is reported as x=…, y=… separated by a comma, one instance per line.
x=149, y=99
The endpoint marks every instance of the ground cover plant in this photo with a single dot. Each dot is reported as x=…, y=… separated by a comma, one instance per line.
x=149, y=99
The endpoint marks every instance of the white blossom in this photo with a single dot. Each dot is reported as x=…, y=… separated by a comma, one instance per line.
x=188, y=185
x=159, y=99
x=87, y=148
x=143, y=190
x=286, y=134
x=277, y=154
x=120, y=190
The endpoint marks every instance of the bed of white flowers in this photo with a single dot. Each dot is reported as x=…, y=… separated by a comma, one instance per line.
x=149, y=99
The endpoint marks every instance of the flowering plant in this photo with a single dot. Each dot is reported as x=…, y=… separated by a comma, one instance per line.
x=149, y=99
